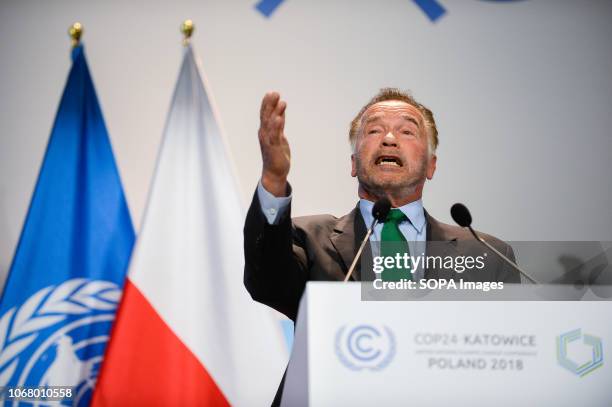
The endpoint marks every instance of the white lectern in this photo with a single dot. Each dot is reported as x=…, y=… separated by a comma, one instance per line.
x=452, y=353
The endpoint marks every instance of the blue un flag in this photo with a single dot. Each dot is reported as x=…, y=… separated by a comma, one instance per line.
x=69, y=267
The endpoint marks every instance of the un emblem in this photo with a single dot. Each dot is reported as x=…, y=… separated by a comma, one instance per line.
x=365, y=347
x=582, y=367
x=57, y=337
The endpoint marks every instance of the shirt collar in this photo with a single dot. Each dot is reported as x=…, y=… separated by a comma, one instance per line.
x=413, y=211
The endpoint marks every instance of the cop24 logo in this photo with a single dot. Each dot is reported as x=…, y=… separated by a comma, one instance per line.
x=569, y=358
x=365, y=347
x=433, y=9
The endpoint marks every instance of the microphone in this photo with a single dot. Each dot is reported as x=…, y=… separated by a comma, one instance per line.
x=380, y=210
x=461, y=215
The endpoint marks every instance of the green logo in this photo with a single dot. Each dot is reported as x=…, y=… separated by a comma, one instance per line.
x=579, y=368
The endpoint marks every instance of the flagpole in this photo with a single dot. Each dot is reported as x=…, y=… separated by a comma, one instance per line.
x=187, y=30
x=75, y=31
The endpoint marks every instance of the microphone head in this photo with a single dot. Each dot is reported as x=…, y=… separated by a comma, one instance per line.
x=461, y=215
x=381, y=209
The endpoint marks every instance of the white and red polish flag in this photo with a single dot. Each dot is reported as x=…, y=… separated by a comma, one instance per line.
x=187, y=332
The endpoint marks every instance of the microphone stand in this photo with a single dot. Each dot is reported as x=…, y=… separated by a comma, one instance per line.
x=358, y=255
x=513, y=264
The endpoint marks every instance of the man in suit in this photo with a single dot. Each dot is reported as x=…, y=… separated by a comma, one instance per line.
x=393, y=140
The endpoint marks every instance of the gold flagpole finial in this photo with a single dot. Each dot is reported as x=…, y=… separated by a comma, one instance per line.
x=187, y=29
x=75, y=31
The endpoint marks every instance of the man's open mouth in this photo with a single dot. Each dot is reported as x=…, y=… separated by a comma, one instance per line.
x=389, y=160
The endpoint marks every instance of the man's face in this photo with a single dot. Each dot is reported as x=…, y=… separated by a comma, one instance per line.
x=391, y=154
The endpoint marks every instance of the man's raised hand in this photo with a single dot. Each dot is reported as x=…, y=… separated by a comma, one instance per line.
x=275, y=151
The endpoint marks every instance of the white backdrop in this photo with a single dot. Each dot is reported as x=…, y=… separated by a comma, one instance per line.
x=521, y=90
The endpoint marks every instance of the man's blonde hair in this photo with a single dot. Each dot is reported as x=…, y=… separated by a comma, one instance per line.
x=386, y=94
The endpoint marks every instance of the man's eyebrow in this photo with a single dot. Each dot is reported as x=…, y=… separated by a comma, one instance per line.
x=410, y=119
x=373, y=118
x=378, y=116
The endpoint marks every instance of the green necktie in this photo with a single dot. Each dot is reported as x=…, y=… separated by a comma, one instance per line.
x=393, y=243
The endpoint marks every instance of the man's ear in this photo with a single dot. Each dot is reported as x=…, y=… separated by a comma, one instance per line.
x=431, y=166
x=353, y=166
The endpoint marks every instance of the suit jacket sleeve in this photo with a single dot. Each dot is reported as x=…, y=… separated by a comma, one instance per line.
x=275, y=267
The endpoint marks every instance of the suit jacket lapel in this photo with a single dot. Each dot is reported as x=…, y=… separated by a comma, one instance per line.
x=440, y=242
x=435, y=232
x=348, y=233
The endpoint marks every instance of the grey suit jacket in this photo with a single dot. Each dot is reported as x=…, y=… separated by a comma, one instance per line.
x=280, y=259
